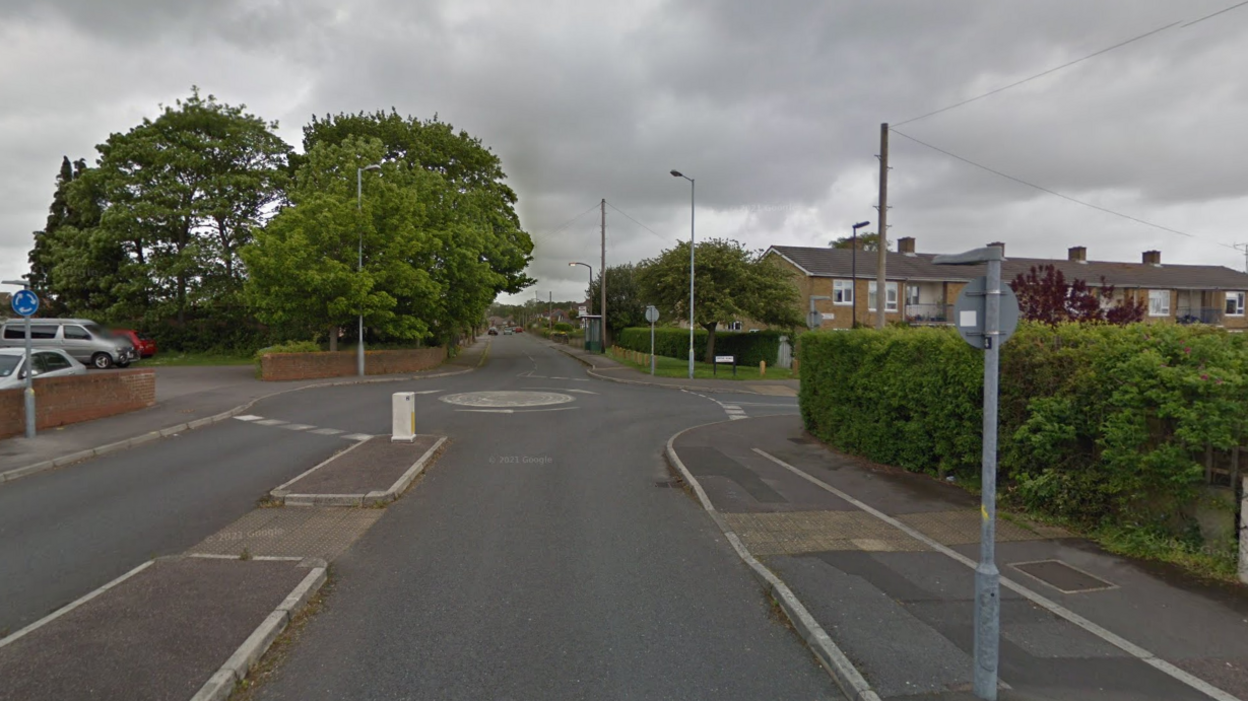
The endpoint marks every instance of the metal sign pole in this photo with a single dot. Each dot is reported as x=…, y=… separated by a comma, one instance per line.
x=987, y=577
x=30, y=386
x=652, y=349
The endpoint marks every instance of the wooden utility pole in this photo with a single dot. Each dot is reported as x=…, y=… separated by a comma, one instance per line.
x=602, y=275
x=881, y=278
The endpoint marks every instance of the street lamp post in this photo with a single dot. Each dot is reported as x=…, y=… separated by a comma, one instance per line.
x=589, y=291
x=692, y=189
x=359, y=203
x=854, y=304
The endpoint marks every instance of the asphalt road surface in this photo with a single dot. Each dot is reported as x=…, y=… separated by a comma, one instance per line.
x=544, y=557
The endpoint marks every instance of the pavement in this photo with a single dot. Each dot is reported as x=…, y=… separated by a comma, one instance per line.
x=183, y=395
x=162, y=633
x=605, y=368
x=883, y=562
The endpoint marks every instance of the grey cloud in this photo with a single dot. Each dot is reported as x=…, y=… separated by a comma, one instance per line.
x=774, y=108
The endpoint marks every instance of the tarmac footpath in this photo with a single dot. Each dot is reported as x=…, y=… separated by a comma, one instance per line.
x=879, y=567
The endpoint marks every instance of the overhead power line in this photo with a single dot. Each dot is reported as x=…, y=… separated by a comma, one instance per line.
x=573, y=219
x=1215, y=14
x=1055, y=69
x=626, y=216
x=1039, y=75
x=1052, y=192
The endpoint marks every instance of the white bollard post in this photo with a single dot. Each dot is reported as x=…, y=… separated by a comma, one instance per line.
x=403, y=421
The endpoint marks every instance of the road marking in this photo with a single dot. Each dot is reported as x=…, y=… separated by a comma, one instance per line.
x=517, y=411
x=429, y=391
x=1104, y=634
x=256, y=421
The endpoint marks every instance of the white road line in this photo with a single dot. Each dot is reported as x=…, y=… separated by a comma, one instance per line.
x=730, y=407
x=357, y=436
x=429, y=391
x=1104, y=634
x=735, y=417
x=271, y=422
x=326, y=431
x=298, y=427
x=248, y=417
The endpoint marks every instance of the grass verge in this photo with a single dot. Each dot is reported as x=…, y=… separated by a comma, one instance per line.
x=674, y=367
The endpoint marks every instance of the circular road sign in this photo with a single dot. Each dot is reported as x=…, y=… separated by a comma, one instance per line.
x=652, y=314
x=25, y=302
x=968, y=313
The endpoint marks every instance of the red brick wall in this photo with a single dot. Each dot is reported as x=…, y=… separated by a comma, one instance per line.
x=279, y=367
x=67, y=400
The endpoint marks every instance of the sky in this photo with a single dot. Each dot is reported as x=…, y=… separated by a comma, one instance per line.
x=774, y=108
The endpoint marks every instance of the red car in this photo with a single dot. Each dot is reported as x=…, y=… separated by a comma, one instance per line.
x=144, y=345
x=519, y=329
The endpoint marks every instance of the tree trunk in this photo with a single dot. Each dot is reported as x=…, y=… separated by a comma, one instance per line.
x=333, y=339
x=710, y=341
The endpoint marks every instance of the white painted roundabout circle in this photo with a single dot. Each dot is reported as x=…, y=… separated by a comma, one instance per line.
x=506, y=399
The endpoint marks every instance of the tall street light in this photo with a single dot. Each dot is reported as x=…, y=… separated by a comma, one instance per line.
x=692, y=189
x=589, y=294
x=854, y=275
x=359, y=203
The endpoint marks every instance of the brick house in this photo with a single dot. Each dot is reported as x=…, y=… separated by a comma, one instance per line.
x=921, y=292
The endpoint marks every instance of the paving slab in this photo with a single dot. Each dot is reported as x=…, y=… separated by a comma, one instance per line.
x=880, y=558
x=159, y=635
x=376, y=469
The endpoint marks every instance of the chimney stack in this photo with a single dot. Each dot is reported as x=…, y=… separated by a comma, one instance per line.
x=905, y=245
x=1078, y=254
x=1002, y=245
x=1152, y=258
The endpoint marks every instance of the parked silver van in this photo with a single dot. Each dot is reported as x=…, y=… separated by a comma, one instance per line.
x=86, y=341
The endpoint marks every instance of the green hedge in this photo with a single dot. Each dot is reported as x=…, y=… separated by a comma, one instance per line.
x=1099, y=424
x=671, y=342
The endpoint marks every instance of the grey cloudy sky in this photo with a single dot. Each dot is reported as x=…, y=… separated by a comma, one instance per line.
x=773, y=107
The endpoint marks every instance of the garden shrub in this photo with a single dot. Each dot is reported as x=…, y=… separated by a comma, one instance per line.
x=1098, y=424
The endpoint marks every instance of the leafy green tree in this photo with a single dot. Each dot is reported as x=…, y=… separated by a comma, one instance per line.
x=869, y=241
x=625, y=306
x=69, y=271
x=303, y=264
x=182, y=194
x=729, y=282
x=470, y=169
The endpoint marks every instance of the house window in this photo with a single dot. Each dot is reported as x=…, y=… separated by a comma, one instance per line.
x=842, y=291
x=912, y=295
x=890, y=298
x=734, y=326
x=1234, y=303
x=1159, y=302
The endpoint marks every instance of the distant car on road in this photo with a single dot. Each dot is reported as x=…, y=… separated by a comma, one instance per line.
x=83, y=339
x=48, y=362
x=493, y=331
x=507, y=332
x=143, y=344
x=519, y=329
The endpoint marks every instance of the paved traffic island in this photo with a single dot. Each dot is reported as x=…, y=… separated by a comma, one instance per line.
x=372, y=471
x=159, y=631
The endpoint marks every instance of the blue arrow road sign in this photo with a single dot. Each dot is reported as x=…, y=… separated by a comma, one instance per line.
x=25, y=302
